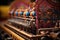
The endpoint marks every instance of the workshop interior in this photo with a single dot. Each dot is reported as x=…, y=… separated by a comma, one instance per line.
x=29, y=19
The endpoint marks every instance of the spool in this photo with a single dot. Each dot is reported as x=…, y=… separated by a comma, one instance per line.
x=33, y=14
x=21, y=13
x=16, y=12
x=26, y=13
x=12, y=12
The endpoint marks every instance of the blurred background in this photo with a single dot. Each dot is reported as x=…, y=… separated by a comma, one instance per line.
x=6, y=5
x=4, y=8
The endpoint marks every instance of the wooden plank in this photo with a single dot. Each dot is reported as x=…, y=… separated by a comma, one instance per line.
x=29, y=35
x=26, y=18
x=12, y=33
